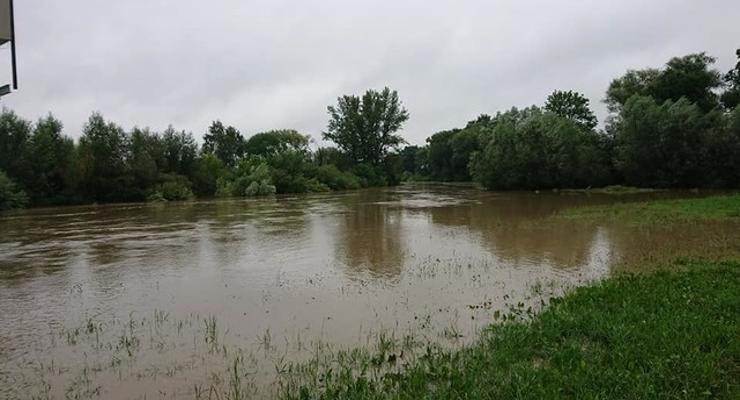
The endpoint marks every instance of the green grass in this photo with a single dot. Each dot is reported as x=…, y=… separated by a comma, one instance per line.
x=659, y=212
x=667, y=335
x=614, y=189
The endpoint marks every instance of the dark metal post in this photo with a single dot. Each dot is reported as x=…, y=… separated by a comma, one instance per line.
x=12, y=46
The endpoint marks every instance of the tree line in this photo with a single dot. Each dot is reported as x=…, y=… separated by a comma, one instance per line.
x=672, y=127
x=40, y=165
x=677, y=126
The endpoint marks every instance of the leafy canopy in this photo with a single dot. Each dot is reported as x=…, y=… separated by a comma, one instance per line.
x=227, y=143
x=731, y=97
x=365, y=126
x=690, y=77
x=573, y=106
x=277, y=141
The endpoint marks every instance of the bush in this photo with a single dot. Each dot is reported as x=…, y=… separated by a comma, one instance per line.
x=332, y=156
x=156, y=197
x=253, y=177
x=262, y=188
x=369, y=175
x=335, y=179
x=10, y=195
x=176, y=191
x=224, y=187
x=173, y=188
x=291, y=172
x=314, y=186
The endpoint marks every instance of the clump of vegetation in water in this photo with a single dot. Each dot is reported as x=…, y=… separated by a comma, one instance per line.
x=664, y=335
x=661, y=212
x=173, y=188
x=10, y=195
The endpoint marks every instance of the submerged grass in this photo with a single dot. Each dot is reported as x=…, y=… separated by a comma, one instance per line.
x=663, y=335
x=659, y=212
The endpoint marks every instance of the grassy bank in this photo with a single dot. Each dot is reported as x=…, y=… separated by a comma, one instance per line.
x=713, y=208
x=664, y=335
x=613, y=189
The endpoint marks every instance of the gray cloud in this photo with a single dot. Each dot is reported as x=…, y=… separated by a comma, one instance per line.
x=269, y=64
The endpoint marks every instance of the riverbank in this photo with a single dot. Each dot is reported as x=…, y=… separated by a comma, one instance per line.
x=644, y=213
x=668, y=334
x=663, y=335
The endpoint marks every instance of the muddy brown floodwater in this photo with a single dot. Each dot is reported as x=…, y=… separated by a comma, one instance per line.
x=156, y=301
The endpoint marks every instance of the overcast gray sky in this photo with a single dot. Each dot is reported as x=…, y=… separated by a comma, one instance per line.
x=271, y=64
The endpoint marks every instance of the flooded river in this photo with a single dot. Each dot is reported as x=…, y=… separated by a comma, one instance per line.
x=158, y=301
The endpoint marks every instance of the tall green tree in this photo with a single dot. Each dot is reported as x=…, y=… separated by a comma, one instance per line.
x=180, y=152
x=722, y=144
x=365, y=127
x=573, y=106
x=409, y=160
x=691, y=77
x=52, y=158
x=634, y=82
x=440, y=155
x=103, y=152
x=731, y=96
x=664, y=144
x=145, y=149
x=208, y=170
x=15, y=134
x=227, y=143
x=532, y=149
x=449, y=152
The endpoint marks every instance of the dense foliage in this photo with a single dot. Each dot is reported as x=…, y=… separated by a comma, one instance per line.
x=671, y=127
x=365, y=129
x=10, y=195
x=40, y=165
x=572, y=105
x=731, y=97
x=534, y=149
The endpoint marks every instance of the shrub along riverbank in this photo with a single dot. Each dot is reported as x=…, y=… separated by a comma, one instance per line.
x=664, y=335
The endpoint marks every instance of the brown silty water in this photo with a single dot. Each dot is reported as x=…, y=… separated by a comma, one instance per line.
x=158, y=301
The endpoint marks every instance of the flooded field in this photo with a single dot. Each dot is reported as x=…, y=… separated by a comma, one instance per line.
x=223, y=299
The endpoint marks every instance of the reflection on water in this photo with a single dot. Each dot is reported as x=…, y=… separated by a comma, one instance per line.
x=368, y=239
x=334, y=267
